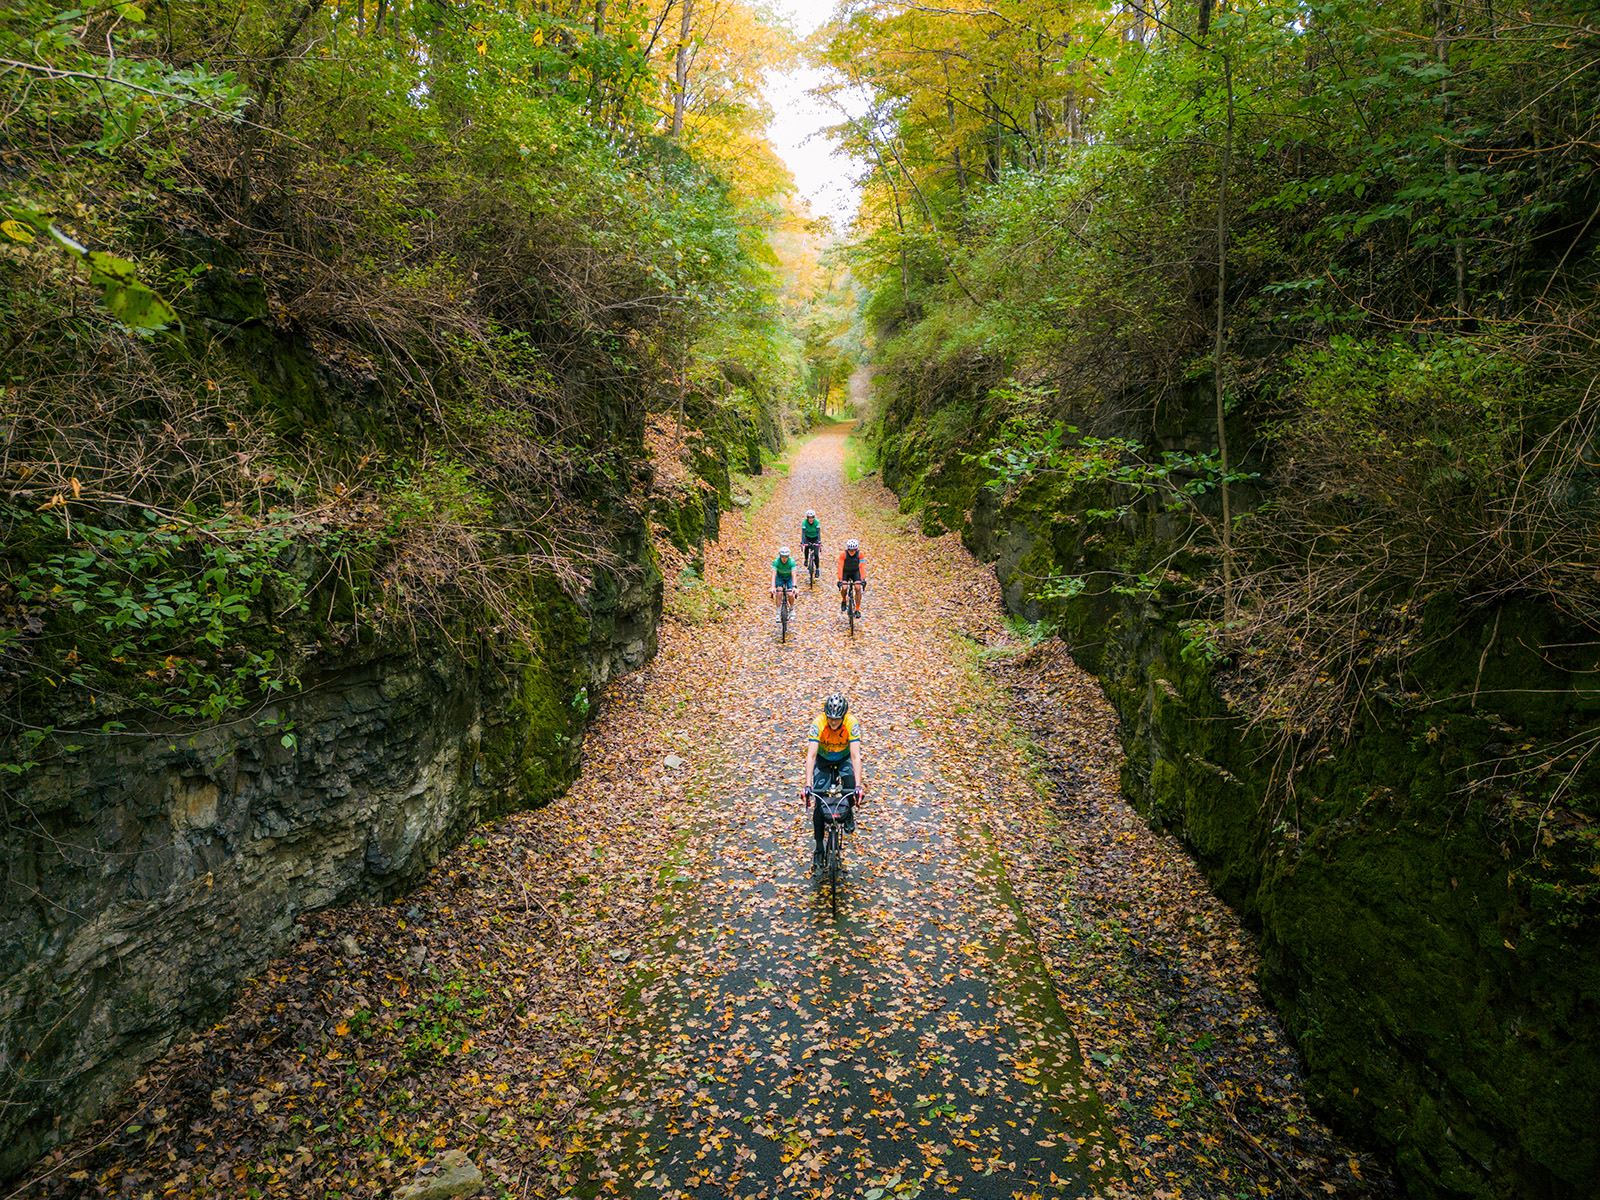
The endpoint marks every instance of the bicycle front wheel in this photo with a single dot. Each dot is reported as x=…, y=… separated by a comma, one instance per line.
x=783, y=620
x=833, y=869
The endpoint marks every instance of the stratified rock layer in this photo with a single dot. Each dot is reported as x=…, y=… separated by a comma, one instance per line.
x=148, y=875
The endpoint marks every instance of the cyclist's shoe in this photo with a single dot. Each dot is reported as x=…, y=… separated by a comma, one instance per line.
x=817, y=859
x=850, y=822
x=841, y=606
x=857, y=614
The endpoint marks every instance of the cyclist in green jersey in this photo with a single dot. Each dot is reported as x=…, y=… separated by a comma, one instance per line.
x=782, y=579
x=811, y=537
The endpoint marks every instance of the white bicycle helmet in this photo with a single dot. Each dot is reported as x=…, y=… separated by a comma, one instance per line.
x=783, y=552
x=852, y=544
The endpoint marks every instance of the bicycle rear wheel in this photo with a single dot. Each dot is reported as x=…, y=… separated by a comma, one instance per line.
x=783, y=619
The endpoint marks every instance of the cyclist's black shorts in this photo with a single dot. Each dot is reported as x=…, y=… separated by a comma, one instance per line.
x=823, y=775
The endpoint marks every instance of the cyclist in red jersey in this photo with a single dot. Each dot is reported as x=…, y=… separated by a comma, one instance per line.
x=852, y=570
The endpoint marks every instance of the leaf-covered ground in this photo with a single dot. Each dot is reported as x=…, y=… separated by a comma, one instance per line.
x=641, y=990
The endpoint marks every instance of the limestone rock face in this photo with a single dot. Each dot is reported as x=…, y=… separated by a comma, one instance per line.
x=147, y=876
x=451, y=1174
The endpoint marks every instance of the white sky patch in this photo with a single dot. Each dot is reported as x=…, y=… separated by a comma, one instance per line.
x=797, y=123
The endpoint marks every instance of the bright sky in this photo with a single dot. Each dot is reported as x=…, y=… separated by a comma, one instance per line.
x=797, y=121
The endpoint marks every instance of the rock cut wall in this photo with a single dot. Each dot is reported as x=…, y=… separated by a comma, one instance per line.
x=147, y=876
x=1436, y=959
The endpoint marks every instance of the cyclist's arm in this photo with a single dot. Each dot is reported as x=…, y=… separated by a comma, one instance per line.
x=811, y=765
x=855, y=765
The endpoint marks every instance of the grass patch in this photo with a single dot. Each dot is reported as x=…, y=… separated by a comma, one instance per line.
x=695, y=602
x=860, y=459
x=759, y=487
x=1025, y=636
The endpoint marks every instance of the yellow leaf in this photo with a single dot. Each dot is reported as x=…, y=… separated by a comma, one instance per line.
x=342, y=1028
x=16, y=231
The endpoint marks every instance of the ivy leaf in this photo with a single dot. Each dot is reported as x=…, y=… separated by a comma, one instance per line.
x=128, y=299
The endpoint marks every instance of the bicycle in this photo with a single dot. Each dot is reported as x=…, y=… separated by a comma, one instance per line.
x=852, y=596
x=836, y=804
x=783, y=615
x=813, y=554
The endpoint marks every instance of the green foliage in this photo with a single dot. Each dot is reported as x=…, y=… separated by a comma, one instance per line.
x=158, y=613
x=94, y=65
x=1023, y=450
x=126, y=298
x=460, y=266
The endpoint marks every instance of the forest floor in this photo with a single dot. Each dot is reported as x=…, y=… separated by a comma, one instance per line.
x=642, y=989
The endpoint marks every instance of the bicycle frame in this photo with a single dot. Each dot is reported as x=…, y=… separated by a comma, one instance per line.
x=851, y=590
x=835, y=804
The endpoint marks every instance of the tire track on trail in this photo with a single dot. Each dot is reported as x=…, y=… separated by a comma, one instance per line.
x=915, y=1045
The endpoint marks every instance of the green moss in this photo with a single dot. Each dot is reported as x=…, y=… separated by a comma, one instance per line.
x=533, y=756
x=684, y=521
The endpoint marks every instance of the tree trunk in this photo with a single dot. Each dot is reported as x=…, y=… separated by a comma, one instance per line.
x=681, y=71
x=1441, y=54
x=900, y=223
x=955, y=142
x=933, y=225
x=1216, y=353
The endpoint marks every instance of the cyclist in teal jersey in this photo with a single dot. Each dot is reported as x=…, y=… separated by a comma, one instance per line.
x=810, y=530
x=811, y=537
x=782, y=579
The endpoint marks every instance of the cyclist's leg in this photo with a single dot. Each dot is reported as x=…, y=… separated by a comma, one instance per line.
x=847, y=780
x=822, y=776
